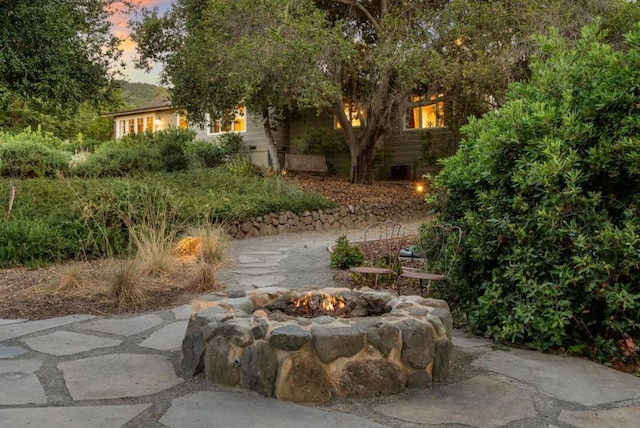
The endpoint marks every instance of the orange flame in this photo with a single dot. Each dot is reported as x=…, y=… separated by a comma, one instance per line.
x=328, y=303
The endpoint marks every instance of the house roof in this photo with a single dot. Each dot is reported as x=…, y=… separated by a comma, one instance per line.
x=161, y=105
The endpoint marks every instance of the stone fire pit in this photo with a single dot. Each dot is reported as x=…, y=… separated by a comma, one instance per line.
x=389, y=343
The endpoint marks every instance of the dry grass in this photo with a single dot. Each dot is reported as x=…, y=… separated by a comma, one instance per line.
x=207, y=245
x=125, y=285
x=154, y=248
x=69, y=279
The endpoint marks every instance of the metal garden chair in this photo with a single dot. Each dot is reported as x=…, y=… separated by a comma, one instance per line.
x=386, y=238
x=437, y=247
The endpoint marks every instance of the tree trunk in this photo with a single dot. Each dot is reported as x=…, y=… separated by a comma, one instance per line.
x=361, y=170
x=272, y=150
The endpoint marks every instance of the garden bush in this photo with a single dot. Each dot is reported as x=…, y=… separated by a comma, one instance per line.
x=345, y=256
x=117, y=159
x=546, y=190
x=22, y=156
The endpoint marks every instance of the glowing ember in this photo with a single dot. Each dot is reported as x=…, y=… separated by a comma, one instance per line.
x=309, y=303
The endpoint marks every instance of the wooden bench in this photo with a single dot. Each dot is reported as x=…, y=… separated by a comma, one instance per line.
x=305, y=163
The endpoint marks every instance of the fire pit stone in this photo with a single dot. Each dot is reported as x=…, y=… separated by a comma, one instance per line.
x=314, y=345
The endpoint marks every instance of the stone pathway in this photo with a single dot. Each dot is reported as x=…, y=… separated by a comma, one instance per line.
x=84, y=371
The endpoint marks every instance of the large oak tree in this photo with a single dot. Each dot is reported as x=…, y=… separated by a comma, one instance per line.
x=359, y=60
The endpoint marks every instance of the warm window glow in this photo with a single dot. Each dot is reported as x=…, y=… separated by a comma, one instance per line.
x=150, y=123
x=182, y=121
x=132, y=126
x=427, y=114
x=140, y=127
x=355, y=114
x=237, y=124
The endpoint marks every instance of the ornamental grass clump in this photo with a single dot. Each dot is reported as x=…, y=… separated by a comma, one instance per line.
x=546, y=190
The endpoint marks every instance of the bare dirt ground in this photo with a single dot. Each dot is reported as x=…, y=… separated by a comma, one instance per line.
x=35, y=294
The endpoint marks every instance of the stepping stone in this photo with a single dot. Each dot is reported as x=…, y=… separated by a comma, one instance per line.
x=4, y=321
x=566, y=378
x=68, y=343
x=276, y=259
x=261, y=281
x=610, y=418
x=256, y=271
x=124, y=326
x=227, y=409
x=118, y=376
x=168, y=337
x=71, y=417
x=182, y=312
x=11, y=351
x=481, y=402
x=19, y=384
x=22, y=329
x=463, y=340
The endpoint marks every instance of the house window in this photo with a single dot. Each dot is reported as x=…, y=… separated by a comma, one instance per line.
x=426, y=112
x=140, y=127
x=182, y=121
x=355, y=113
x=237, y=124
x=132, y=126
x=122, y=128
x=150, y=123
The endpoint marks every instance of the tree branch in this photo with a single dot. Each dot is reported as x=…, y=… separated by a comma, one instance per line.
x=374, y=22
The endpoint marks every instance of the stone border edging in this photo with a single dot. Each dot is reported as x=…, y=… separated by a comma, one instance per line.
x=345, y=217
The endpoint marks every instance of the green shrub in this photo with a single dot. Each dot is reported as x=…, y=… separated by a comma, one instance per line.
x=327, y=142
x=116, y=159
x=27, y=159
x=546, y=190
x=204, y=154
x=345, y=256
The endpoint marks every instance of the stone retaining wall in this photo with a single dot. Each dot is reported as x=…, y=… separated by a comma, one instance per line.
x=345, y=217
x=238, y=341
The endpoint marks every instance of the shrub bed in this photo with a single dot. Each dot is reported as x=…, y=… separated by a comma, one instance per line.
x=547, y=192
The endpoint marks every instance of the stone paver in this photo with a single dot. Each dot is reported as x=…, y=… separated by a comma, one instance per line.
x=124, y=326
x=167, y=338
x=481, y=402
x=570, y=379
x=260, y=281
x=22, y=329
x=68, y=343
x=463, y=340
x=19, y=384
x=4, y=321
x=118, y=376
x=11, y=351
x=71, y=417
x=182, y=312
x=610, y=418
x=226, y=409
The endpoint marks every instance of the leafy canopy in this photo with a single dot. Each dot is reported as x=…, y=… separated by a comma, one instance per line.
x=59, y=52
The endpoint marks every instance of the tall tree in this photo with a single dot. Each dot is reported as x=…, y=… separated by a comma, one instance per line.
x=58, y=52
x=219, y=54
x=376, y=53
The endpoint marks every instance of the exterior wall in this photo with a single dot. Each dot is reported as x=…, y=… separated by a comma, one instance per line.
x=406, y=147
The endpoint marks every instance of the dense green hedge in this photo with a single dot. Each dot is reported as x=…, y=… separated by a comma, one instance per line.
x=547, y=190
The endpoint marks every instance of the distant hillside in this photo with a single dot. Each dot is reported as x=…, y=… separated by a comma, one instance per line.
x=140, y=94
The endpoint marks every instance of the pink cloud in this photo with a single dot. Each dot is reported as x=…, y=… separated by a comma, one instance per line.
x=119, y=28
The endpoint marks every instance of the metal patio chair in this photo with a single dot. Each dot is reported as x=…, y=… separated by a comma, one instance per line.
x=437, y=247
x=384, y=260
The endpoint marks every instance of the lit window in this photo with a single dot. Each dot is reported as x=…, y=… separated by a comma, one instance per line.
x=355, y=114
x=140, y=127
x=238, y=123
x=150, y=123
x=182, y=121
x=426, y=113
x=132, y=126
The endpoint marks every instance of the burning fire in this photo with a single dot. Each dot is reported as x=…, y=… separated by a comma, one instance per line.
x=310, y=302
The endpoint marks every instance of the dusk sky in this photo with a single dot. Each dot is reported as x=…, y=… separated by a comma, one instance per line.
x=120, y=29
